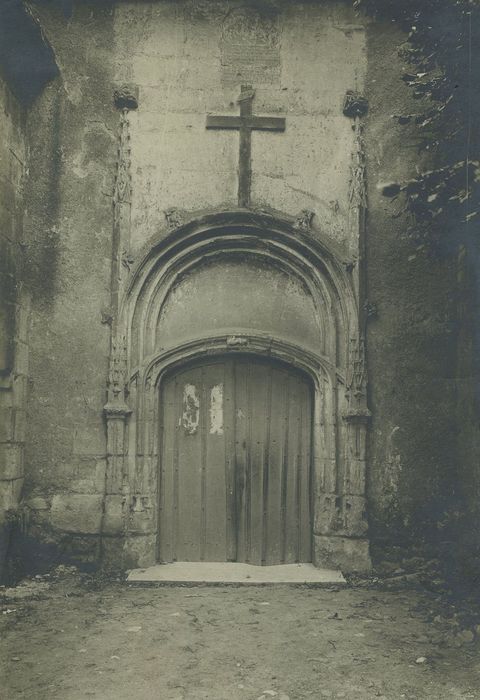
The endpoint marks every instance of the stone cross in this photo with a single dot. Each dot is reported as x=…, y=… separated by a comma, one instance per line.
x=245, y=123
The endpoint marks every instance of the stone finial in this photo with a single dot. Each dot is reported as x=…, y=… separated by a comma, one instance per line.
x=126, y=97
x=354, y=104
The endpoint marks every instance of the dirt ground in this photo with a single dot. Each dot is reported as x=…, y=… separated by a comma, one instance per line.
x=70, y=637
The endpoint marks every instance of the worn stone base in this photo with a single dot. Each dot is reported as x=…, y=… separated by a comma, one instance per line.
x=128, y=552
x=344, y=553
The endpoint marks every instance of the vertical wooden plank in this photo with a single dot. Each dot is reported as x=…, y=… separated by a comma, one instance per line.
x=284, y=470
x=291, y=530
x=242, y=422
x=305, y=548
x=229, y=427
x=257, y=384
x=177, y=410
x=189, y=467
x=276, y=463
x=203, y=428
x=165, y=485
x=266, y=466
x=215, y=492
x=299, y=475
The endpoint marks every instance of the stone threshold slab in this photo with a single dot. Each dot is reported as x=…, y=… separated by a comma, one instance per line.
x=219, y=573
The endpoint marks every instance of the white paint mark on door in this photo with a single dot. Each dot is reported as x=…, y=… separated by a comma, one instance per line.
x=216, y=410
x=191, y=409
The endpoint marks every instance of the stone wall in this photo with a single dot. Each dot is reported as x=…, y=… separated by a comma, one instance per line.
x=13, y=315
x=68, y=235
x=184, y=60
x=417, y=454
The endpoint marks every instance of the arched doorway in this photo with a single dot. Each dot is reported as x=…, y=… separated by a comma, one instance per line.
x=226, y=285
x=235, y=462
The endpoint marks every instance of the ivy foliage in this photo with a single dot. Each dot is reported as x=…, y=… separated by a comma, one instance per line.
x=442, y=67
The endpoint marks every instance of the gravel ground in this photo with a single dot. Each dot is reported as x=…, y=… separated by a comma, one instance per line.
x=69, y=636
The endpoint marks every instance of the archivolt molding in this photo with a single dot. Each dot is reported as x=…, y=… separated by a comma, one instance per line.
x=265, y=237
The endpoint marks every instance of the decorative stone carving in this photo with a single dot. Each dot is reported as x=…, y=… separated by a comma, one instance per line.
x=357, y=379
x=122, y=187
x=354, y=104
x=117, y=372
x=126, y=97
x=236, y=340
x=127, y=260
x=175, y=218
x=303, y=222
x=370, y=309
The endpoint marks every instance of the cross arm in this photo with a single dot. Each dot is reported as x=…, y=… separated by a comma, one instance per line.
x=253, y=123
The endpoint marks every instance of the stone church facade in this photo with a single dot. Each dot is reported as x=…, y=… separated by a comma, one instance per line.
x=201, y=275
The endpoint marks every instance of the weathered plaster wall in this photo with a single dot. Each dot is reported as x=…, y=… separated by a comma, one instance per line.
x=413, y=461
x=189, y=59
x=13, y=314
x=68, y=237
x=239, y=295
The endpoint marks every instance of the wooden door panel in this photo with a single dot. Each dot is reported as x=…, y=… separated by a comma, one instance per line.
x=241, y=460
x=214, y=490
x=235, y=473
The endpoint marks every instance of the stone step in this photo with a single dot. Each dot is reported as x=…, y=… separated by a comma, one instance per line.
x=234, y=573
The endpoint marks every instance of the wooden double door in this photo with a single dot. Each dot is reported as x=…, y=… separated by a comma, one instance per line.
x=235, y=469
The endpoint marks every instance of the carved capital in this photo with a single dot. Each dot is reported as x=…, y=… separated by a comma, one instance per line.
x=356, y=415
x=117, y=410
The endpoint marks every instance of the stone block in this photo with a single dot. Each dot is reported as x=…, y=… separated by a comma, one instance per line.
x=347, y=554
x=20, y=425
x=11, y=461
x=89, y=438
x=142, y=522
x=354, y=519
x=20, y=387
x=81, y=513
x=37, y=503
x=112, y=553
x=7, y=416
x=355, y=479
x=327, y=513
x=140, y=551
x=10, y=491
x=21, y=322
x=21, y=357
x=114, y=515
